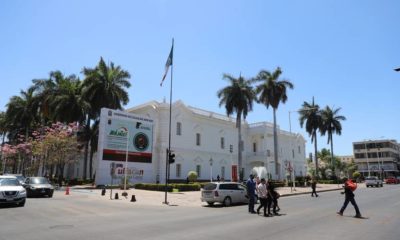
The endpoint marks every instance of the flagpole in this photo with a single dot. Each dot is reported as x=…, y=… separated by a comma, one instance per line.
x=167, y=168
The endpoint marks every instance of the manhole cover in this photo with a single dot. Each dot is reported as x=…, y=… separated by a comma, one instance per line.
x=61, y=226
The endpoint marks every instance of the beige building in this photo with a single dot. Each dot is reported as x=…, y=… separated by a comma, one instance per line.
x=377, y=157
x=346, y=159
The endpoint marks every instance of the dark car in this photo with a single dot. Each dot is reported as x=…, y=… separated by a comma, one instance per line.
x=38, y=186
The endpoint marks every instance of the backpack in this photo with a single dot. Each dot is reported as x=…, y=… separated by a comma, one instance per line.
x=352, y=185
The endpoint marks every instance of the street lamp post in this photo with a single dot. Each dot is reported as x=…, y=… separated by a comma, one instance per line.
x=126, y=162
x=366, y=154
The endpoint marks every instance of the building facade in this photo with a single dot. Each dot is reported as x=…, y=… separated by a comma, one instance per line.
x=346, y=159
x=377, y=157
x=207, y=142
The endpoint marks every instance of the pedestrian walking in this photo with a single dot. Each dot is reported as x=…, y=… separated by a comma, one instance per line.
x=262, y=195
x=251, y=190
x=314, y=187
x=349, y=187
x=272, y=199
x=218, y=178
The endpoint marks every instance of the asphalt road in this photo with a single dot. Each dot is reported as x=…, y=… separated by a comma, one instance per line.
x=302, y=217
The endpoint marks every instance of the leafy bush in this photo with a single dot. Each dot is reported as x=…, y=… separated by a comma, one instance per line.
x=277, y=183
x=192, y=176
x=187, y=187
x=153, y=187
x=356, y=174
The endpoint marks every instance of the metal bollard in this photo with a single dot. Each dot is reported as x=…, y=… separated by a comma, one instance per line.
x=133, y=199
x=116, y=196
x=103, y=191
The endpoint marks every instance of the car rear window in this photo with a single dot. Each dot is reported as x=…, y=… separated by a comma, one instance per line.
x=228, y=186
x=370, y=178
x=39, y=181
x=210, y=186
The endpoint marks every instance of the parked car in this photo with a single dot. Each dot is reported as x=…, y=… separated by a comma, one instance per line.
x=11, y=191
x=226, y=193
x=373, y=181
x=391, y=180
x=38, y=186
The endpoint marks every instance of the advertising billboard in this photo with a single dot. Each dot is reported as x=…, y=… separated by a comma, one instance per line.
x=125, y=142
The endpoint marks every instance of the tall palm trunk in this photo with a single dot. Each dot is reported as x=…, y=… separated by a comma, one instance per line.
x=3, y=160
x=277, y=170
x=91, y=163
x=332, y=160
x=87, y=129
x=239, y=127
x=315, y=154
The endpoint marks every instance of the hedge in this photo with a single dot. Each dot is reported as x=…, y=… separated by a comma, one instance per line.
x=153, y=187
x=187, y=187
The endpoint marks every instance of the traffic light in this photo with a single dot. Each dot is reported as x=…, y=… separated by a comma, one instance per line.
x=171, y=157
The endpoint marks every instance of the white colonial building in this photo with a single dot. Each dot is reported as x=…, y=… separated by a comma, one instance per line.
x=206, y=142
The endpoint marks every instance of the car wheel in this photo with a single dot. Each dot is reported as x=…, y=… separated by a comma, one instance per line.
x=50, y=195
x=210, y=203
x=227, y=201
x=21, y=204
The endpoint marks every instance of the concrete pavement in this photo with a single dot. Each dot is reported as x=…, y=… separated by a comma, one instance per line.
x=188, y=199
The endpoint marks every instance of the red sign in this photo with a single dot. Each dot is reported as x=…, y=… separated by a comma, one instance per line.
x=234, y=173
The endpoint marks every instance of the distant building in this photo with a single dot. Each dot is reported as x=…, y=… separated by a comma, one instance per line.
x=377, y=157
x=346, y=159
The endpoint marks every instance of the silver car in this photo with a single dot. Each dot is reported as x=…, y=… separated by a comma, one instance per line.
x=226, y=193
x=11, y=191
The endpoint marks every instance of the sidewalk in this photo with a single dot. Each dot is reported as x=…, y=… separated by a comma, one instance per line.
x=154, y=198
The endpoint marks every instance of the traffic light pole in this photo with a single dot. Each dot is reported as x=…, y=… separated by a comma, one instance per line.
x=166, y=175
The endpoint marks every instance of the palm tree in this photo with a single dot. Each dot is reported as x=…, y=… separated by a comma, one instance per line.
x=58, y=98
x=310, y=116
x=271, y=92
x=237, y=98
x=330, y=125
x=3, y=132
x=20, y=114
x=104, y=86
x=67, y=103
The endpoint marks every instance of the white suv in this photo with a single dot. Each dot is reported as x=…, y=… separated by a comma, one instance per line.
x=11, y=191
x=226, y=193
x=373, y=181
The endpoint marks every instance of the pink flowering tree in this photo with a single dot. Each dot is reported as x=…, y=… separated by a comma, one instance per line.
x=55, y=147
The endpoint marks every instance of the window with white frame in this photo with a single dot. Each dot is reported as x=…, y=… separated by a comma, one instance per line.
x=268, y=153
x=222, y=142
x=178, y=170
x=254, y=147
x=198, y=139
x=179, y=128
x=293, y=153
x=198, y=170
x=299, y=150
x=223, y=172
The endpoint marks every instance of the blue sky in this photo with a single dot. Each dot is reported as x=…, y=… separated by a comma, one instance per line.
x=341, y=52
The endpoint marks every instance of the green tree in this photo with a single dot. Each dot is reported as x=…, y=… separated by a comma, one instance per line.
x=59, y=98
x=310, y=116
x=103, y=87
x=20, y=114
x=67, y=103
x=271, y=91
x=330, y=125
x=237, y=97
